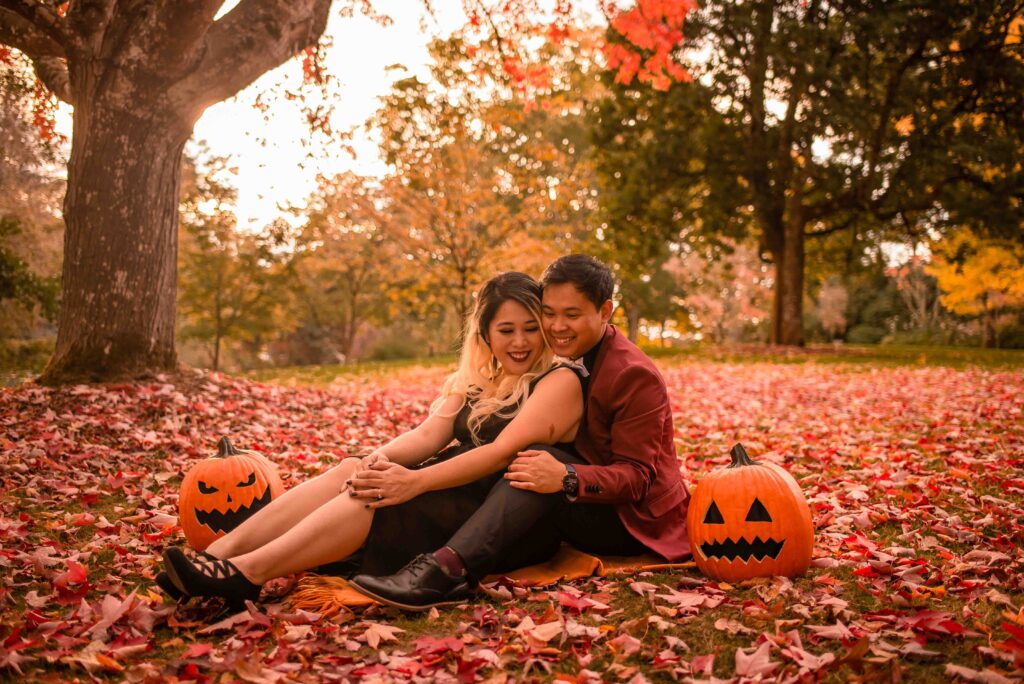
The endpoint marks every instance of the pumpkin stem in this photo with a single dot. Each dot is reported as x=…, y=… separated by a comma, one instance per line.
x=740, y=457
x=226, y=448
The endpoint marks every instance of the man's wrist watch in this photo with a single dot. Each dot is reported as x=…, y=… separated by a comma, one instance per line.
x=571, y=481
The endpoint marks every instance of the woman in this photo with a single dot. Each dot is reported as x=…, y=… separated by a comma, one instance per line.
x=504, y=396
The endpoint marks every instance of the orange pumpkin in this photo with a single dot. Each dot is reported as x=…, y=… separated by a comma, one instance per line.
x=750, y=519
x=219, y=493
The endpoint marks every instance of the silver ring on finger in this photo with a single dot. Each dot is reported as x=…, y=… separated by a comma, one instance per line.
x=380, y=495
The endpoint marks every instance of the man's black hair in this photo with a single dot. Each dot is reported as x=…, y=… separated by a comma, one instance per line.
x=587, y=274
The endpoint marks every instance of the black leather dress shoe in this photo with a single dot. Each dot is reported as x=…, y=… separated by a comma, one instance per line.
x=420, y=585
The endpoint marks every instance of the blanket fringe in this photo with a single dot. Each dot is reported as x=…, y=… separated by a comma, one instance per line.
x=329, y=596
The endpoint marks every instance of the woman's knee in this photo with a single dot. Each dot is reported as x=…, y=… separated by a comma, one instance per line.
x=343, y=471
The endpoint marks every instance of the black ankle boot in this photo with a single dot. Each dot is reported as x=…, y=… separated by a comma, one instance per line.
x=206, y=575
x=418, y=586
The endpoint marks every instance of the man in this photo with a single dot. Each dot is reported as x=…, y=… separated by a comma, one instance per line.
x=621, y=494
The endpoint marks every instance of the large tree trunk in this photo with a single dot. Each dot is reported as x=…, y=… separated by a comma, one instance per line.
x=139, y=75
x=120, y=247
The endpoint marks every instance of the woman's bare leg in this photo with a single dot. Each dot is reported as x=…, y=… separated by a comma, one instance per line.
x=284, y=512
x=330, y=533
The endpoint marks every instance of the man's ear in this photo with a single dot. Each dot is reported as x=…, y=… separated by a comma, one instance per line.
x=606, y=311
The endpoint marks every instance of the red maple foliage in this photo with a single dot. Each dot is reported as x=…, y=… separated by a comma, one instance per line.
x=914, y=476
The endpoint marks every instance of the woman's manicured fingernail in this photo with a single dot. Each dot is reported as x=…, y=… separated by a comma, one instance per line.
x=348, y=482
x=352, y=492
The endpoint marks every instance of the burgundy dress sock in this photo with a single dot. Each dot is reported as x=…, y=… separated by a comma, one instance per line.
x=450, y=562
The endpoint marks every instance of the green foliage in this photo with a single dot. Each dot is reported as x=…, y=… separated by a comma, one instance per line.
x=915, y=104
x=29, y=355
x=19, y=283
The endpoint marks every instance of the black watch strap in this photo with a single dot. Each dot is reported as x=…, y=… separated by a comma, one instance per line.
x=571, y=481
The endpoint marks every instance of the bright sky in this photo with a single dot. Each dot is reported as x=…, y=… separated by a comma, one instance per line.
x=281, y=171
x=272, y=156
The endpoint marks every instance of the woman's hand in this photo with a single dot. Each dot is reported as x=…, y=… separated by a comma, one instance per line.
x=384, y=483
x=363, y=464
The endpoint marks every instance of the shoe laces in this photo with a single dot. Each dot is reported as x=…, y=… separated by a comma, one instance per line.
x=421, y=565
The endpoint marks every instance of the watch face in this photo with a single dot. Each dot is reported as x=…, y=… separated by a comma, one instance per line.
x=571, y=484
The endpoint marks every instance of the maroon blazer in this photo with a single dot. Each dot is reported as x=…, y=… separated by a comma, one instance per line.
x=627, y=438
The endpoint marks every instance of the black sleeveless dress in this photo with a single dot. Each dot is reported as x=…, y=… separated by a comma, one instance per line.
x=424, y=524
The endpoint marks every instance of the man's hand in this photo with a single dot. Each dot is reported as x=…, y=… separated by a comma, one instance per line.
x=384, y=483
x=536, y=471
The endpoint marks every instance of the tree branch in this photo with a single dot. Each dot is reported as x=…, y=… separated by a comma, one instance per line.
x=53, y=72
x=183, y=26
x=18, y=32
x=46, y=54
x=251, y=39
x=44, y=19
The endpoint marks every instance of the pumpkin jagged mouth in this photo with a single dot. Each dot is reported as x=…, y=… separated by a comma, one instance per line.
x=743, y=549
x=225, y=522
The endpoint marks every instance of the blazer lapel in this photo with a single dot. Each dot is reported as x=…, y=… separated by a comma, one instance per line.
x=606, y=344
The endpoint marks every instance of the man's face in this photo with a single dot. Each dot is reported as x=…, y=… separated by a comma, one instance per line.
x=572, y=323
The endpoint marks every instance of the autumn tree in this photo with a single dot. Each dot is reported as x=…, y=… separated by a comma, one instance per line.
x=481, y=181
x=979, y=277
x=344, y=267
x=725, y=288
x=831, y=307
x=812, y=118
x=229, y=281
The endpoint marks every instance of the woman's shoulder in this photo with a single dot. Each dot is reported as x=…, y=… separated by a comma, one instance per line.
x=559, y=375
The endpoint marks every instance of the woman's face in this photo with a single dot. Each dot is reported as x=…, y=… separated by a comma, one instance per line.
x=515, y=337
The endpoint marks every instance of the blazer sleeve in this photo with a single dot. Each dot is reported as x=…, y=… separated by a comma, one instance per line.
x=637, y=430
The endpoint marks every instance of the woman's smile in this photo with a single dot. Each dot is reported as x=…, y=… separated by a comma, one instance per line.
x=515, y=338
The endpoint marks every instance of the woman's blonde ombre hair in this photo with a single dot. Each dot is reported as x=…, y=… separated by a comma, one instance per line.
x=478, y=378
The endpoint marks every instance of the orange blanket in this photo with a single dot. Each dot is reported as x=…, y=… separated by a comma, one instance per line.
x=329, y=595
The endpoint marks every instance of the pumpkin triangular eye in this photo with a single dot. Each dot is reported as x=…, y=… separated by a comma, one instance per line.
x=757, y=512
x=713, y=516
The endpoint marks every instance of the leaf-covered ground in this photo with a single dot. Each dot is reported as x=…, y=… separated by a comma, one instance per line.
x=915, y=476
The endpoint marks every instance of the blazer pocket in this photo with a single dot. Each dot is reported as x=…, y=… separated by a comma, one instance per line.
x=667, y=500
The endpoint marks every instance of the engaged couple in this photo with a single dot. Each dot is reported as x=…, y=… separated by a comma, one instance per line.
x=555, y=427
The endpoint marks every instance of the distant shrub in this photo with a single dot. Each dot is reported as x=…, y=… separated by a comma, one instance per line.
x=923, y=336
x=1012, y=336
x=394, y=348
x=865, y=334
x=29, y=355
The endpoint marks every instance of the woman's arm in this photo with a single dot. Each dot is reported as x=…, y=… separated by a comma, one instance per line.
x=551, y=412
x=427, y=438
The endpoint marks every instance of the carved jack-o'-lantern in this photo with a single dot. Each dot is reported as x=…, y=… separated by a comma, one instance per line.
x=219, y=493
x=750, y=519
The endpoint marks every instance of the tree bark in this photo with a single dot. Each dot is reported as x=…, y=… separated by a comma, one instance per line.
x=120, y=248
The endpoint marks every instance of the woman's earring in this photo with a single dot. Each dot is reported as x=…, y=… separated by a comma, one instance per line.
x=492, y=366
